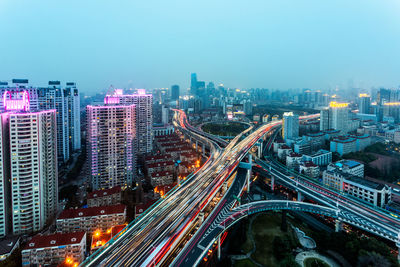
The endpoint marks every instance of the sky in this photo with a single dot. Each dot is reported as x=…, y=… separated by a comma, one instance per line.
x=277, y=44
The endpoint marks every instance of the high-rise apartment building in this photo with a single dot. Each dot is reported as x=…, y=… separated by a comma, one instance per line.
x=30, y=142
x=144, y=115
x=290, y=126
x=111, y=141
x=74, y=116
x=19, y=85
x=55, y=97
x=339, y=116
x=324, y=119
x=4, y=182
x=364, y=103
x=64, y=100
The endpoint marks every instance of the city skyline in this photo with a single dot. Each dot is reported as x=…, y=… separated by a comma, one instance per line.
x=157, y=44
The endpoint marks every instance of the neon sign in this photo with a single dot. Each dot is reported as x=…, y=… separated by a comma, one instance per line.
x=16, y=104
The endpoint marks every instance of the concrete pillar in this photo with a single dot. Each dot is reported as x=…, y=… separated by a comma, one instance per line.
x=219, y=248
x=259, y=150
x=250, y=157
x=197, y=145
x=338, y=225
x=272, y=183
x=248, y=175
x=203, y=149
x=299, y=196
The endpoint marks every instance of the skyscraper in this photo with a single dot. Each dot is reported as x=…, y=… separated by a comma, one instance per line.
x=339, y=116
x=55, y=97
x=175, y=92
x=364, y=103
x=31, y=153
x=74, y=116
x=290, y=126
x=144, y=115
x=193, y=84
x=111, y=140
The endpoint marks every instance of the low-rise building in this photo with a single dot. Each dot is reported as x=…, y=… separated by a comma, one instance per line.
x=293, y=160
x=362, y=141
x=374, y=193
x=283, y=151
x=162, y=178
x=321, y=158
x=343, y=145
x=309, y=169
x=277, y=144
x=348, y=166
x=140, y=208
x=105, y=197
x=50, y=250
x=163, y=130
x=302, y=147
x=331, y=133
x=316, y=140
x=157, y=158
x=91, y=219
x=160, y=167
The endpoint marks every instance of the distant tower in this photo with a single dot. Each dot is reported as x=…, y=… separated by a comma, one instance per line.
x=193, y=84
x=175, y=92
x=364, y=103
x=290, y=126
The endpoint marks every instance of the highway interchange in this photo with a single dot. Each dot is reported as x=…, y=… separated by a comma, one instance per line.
x=149, y=240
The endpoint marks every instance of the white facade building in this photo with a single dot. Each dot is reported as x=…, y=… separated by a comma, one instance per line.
x=290, y=126
x=54, y=97
x=348, y=166
x=377, y=194
x=33, y=168
x=74, y=116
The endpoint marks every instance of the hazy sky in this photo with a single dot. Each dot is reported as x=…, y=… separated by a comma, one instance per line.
x=242, y=43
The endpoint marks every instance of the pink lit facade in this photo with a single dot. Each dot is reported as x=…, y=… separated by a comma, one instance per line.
x=32, y=163
x=111, y=141
x=21, y=103
x=144, y=115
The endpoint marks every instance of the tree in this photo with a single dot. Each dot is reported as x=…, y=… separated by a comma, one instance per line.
x=372, y=259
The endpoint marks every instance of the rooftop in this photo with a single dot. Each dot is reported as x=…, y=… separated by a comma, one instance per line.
x=308, y=164
x=104, y=192
x=366, y=183
x=93, y=211
x=348, y=163
x=54, y=240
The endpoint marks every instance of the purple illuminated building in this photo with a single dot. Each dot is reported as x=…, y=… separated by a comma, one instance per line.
x=111, y=142
x=144, y=115
x=29, y=162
